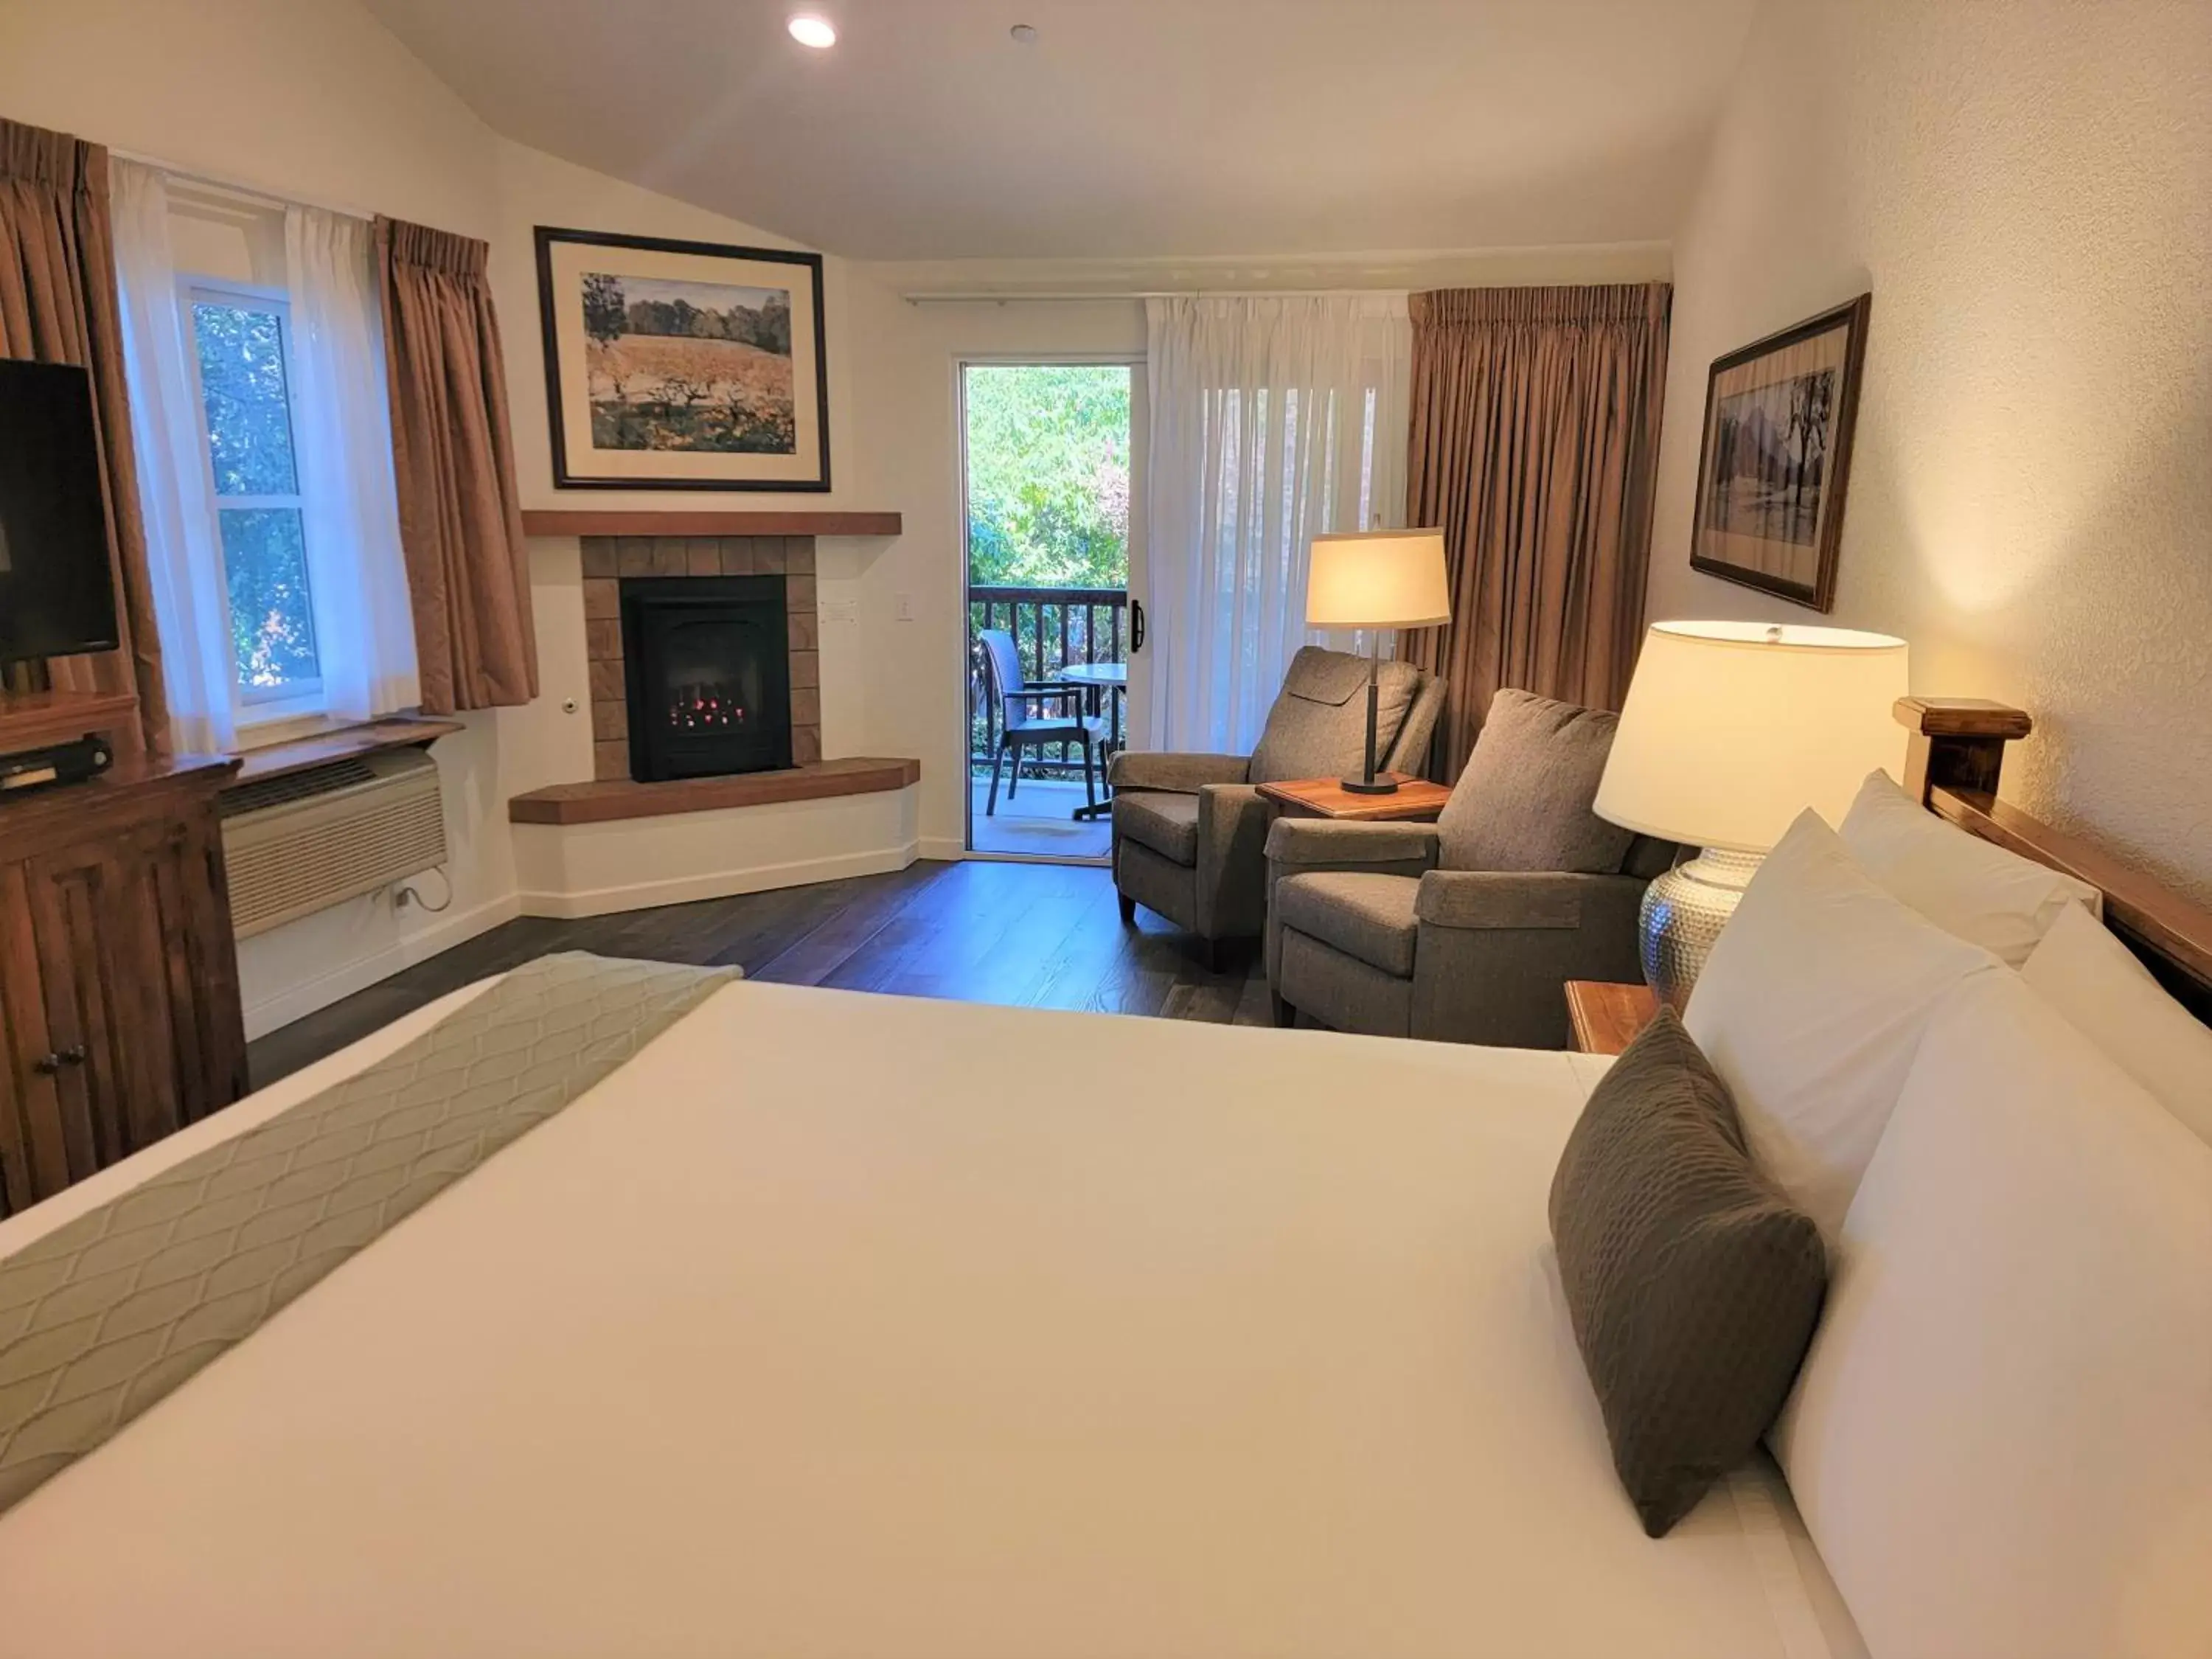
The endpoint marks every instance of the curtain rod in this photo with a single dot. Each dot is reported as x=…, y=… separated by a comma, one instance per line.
x=261, y=193
x=956, y=297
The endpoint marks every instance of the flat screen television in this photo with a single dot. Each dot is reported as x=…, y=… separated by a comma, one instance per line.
x=57, y=596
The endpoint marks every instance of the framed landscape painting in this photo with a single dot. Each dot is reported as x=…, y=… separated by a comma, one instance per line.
x=683, y=365
x=1777, y=457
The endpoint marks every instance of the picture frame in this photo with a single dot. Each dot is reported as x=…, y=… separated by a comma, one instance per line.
x=681, y=365
x=1774, y=461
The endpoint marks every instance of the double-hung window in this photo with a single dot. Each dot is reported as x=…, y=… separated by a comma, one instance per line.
x=240, y=336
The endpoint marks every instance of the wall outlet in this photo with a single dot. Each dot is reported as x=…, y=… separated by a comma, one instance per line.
x=902, y=607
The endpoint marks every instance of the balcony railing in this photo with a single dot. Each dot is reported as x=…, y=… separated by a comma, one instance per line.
x=1052, y=628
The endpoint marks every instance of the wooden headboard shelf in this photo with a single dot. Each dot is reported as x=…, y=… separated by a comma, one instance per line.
x=1956, y=759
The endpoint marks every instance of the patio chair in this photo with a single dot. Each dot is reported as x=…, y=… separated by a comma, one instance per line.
x=1024, y=724
x=1466, y=930
x=1190, y=831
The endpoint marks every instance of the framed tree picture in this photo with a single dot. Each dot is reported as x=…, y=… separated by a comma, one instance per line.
x=1777, y=457
x=683, y=365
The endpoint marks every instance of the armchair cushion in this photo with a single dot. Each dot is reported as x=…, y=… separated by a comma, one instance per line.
x=1523, y=802
x=1325, y=842
x=1167, y=823
x=1188, y=773
x=1318, y=726
x=1366, y=916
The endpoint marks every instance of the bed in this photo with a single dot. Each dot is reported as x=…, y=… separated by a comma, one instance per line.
x=790, y=1339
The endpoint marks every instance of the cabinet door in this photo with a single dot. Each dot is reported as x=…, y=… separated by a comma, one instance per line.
x=100, y=958
x=31, y=1160
x=200, y=956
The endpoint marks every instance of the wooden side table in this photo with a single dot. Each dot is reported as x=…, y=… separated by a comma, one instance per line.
x=1415, y=800
x=1605, y=1018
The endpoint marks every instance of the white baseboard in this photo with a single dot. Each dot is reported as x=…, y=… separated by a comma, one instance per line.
x=298, y=1001
x=941, y=848
x=685, y=889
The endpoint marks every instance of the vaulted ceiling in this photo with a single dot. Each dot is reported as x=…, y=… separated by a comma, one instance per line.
x=1126, y=128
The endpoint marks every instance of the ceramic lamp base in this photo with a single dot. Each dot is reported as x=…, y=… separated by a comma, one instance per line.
x=1683, y=914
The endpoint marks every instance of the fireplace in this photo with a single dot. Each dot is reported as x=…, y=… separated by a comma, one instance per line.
x=707, y=670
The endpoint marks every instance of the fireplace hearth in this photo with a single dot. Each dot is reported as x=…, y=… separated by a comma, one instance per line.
x=707, y=676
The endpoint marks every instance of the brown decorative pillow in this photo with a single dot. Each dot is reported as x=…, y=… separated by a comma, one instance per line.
x=1693, y=1286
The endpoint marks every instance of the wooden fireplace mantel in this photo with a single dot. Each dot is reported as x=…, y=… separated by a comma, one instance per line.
x=649, y=521
x=614, y=799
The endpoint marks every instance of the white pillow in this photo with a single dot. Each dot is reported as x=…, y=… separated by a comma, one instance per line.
x=2093, y=980
x=1997, y=900
x=1810, y=1009
x=2002, y=1437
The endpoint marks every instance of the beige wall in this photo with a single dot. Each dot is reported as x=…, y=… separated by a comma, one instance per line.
x=2026, y=186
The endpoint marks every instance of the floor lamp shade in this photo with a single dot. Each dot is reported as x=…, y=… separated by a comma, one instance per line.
x=1378, y=579
x=1731, y=730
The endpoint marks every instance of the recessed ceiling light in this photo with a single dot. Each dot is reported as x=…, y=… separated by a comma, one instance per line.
x=811, y=31
x=1024, y=32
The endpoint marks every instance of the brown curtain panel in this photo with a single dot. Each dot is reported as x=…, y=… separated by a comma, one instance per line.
x=57, y=305
x=460, y=520
x=1535, y=439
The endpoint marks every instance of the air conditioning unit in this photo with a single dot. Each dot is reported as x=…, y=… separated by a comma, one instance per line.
x=311, y=839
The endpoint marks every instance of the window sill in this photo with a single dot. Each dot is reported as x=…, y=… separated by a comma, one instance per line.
x=271, y=731
x=338, y=742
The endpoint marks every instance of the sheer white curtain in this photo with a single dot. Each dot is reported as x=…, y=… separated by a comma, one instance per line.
x=183, y=557
x=1274, y=417
x=342, y=435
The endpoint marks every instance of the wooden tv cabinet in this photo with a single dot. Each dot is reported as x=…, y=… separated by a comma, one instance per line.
x=120, y=1019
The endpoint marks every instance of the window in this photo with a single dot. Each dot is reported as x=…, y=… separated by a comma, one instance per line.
x=240, y=337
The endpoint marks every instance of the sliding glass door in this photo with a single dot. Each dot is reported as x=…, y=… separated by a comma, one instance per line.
x=1049, y=476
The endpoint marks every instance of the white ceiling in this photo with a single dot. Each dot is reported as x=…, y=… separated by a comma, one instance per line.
x=1130, y=128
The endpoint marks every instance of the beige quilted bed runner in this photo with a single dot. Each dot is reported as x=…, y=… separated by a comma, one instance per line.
x=105, y=1315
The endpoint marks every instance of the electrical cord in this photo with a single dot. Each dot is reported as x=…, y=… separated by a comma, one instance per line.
x=406, y=893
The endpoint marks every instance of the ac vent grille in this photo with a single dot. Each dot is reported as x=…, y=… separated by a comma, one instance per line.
x=309, y=785
x=300, y=843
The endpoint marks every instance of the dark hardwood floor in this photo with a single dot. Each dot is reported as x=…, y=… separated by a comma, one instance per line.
x=1039, y=935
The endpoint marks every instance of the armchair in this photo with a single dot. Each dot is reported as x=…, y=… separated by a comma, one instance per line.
x=1465, y=931
x=1190, y=830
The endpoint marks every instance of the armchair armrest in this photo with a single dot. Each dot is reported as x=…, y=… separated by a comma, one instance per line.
x=1497, y=946
x=1325, y=843
x=1181, y=774
x=1297, y=846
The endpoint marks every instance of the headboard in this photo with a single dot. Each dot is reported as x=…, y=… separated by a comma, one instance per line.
x=1956, y=756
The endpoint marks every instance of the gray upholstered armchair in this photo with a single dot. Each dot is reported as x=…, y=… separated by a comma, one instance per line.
x=1466, y=930
x=1190, y=831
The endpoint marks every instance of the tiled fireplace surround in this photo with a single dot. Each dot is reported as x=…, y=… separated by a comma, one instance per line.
x=608, y=559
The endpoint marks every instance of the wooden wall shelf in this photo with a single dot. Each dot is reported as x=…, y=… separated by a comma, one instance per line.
x=620, y=799
x=650, y=522
x=39, y=719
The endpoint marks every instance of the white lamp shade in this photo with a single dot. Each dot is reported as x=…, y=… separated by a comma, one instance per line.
x=1732, y=729
x=1378, y=579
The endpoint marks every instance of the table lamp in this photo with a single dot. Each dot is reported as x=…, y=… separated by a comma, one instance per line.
x=1731, y=730
x=1377, y=579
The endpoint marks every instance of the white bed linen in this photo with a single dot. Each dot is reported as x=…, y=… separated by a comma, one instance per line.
x=869, y=1326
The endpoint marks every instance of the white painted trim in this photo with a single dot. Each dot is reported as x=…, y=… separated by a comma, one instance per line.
x=298, y=1001
x=947, y=849
x=724, y=884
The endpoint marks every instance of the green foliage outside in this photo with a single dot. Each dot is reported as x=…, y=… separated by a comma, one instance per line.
x=265, y=556
x=1048, y=474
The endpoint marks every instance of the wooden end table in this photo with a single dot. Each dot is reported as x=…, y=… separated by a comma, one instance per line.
x=1605, y=1018
x=1415, y=800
